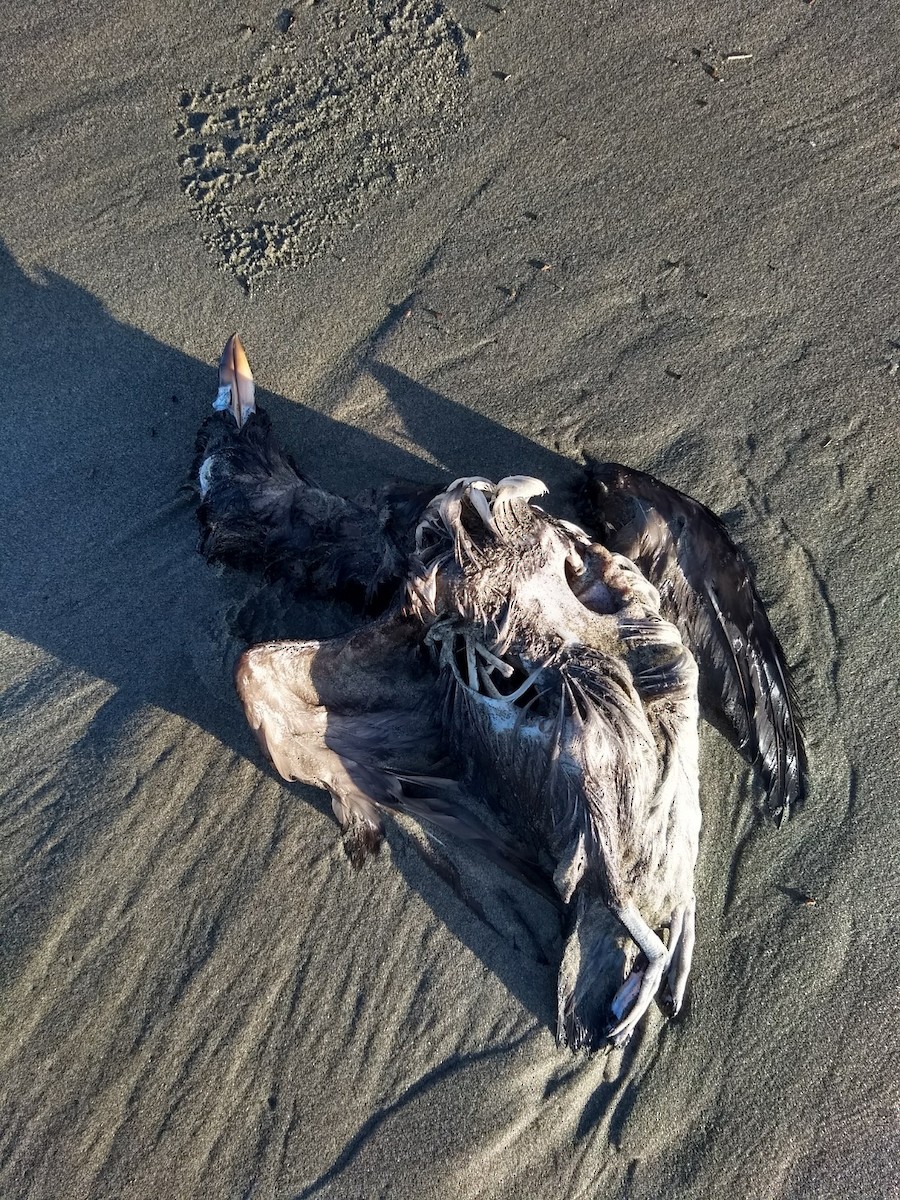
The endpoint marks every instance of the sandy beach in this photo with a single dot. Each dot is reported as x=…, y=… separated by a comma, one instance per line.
x=462, y=239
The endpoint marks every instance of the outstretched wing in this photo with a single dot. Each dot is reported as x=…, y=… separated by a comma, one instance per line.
x=359, y=716
x=707, y=590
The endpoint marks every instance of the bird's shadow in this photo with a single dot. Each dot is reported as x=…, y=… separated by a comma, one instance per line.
x=101, y=574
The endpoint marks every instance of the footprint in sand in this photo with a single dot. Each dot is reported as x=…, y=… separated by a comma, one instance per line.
x=279, y=162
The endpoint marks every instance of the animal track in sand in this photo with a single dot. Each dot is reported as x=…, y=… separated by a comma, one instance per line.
x=279, y=162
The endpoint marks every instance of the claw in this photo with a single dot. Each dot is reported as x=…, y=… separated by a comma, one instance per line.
x=236, y=388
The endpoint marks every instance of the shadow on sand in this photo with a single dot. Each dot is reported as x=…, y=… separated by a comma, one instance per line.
x=102, y=574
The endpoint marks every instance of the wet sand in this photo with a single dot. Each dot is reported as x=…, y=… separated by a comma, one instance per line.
x=479, y=239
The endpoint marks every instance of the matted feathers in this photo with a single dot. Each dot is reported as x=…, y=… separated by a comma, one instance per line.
x=259, y=512
x=707, y=590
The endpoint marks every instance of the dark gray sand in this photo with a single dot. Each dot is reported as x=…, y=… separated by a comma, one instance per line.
x=487, y=239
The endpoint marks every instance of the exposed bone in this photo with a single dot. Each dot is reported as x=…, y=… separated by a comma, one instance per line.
x=468, y=481
x=505, y=669
x=504, y=629
x=482, y=507
x=523, y=688
x=489, y=686
x=471, y=667
x=576, y=531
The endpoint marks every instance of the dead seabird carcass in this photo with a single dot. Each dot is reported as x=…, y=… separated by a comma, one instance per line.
x=514, y=657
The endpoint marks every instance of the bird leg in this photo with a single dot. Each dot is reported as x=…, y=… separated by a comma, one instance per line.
x=488, y=684
x=636, y=993
x=676, y=968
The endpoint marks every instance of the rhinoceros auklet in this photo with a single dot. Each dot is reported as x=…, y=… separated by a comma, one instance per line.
x=511, y=656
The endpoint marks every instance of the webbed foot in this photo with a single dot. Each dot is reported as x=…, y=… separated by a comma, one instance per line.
x=681, y=951
x=636, y=994
x=656, y=963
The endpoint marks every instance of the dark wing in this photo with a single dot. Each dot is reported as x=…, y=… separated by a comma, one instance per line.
x=258, y=511
x=359, y=716
x=707, y=590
